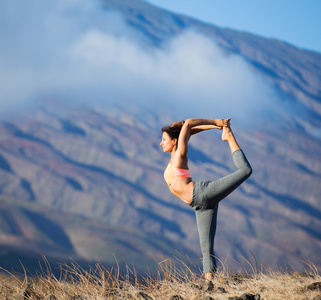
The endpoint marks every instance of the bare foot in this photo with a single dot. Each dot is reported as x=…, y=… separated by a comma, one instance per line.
x=227, y=133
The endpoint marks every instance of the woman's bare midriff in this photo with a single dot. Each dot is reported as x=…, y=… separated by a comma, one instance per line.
x=183, y=189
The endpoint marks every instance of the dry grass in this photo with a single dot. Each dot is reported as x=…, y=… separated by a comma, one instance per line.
x=170, y=282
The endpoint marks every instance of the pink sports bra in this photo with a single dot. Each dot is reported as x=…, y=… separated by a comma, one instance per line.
x=173, y=174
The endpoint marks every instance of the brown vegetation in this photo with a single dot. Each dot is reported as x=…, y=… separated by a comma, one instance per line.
x=170, y=282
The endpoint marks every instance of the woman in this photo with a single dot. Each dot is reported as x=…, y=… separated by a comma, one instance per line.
x=203, y=196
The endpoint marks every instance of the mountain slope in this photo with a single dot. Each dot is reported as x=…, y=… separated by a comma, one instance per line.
x=112, y=172
x=29, y=231
x=104, y=164
x=296, y=72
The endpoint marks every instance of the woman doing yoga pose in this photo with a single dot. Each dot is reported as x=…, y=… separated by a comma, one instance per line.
x=202, y=196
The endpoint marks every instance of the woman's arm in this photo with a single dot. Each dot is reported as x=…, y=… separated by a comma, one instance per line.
x=202, y=122
x=197, y=125
x=200, y=128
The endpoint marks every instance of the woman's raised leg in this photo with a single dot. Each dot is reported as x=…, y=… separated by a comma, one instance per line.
x=227, y=135
x=219, y=189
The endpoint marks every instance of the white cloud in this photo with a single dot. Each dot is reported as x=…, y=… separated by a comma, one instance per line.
x=82, y=51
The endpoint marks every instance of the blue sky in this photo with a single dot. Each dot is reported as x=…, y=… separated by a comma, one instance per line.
x=297, y=22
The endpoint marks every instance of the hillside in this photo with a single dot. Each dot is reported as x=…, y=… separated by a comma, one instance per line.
x=86, y=180
x=294, y=71
x=108, y=167
x=30, y=230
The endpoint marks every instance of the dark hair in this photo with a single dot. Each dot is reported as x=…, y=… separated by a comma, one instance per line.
x=174, y=129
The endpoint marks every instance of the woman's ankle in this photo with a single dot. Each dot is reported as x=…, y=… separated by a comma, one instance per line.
x=208, y=276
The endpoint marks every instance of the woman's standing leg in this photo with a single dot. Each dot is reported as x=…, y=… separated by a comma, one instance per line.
x=215, y=191
x=206, y=224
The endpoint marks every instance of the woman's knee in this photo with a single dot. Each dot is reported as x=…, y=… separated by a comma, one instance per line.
x=247, y=170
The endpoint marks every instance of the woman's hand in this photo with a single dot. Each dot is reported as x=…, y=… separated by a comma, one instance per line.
x=226, y=122
x=220, y=123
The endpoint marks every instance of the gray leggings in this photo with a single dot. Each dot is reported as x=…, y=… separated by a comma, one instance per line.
x=206, y=196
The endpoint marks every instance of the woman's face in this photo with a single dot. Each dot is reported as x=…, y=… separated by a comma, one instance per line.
x=167, y=143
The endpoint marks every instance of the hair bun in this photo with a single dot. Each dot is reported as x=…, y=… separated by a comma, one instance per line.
x=177, y=125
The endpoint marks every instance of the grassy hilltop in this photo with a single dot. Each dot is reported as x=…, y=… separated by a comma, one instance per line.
x=171, y=283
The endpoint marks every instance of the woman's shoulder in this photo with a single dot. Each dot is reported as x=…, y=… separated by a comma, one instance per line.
x=179, y=161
